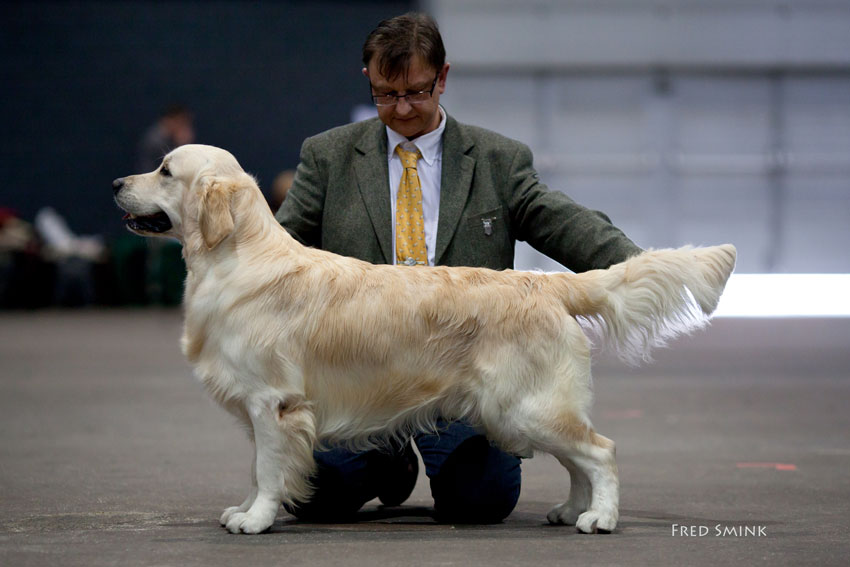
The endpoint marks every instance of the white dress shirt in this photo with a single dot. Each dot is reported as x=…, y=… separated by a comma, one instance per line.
x=429, y=168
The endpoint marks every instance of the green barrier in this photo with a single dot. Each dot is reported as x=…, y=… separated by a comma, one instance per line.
x=148, y=271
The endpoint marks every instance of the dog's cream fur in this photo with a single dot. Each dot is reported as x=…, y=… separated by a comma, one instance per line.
x=310, y=348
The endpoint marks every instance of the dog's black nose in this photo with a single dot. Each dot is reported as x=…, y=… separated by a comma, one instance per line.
x=117, y=184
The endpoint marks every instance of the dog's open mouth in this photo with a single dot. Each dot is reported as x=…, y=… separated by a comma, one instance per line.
x=158, y=222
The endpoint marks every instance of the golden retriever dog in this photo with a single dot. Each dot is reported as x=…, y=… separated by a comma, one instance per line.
x=310, y=349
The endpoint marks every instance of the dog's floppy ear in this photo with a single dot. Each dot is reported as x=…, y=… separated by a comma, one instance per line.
x=215, y=216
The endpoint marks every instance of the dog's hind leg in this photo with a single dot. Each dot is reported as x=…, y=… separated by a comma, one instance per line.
x=579, y=500
x=544, y=424
x=552, y=424
x=284, y=437
x=592, y=456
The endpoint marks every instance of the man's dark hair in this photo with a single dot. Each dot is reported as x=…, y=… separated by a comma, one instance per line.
x=396, y=41
x=175, y=110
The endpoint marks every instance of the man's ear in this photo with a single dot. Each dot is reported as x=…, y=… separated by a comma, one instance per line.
x=442, y=75
x=215, y=217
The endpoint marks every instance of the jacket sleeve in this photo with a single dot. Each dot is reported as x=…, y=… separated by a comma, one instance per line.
x=579, y=238
x=302, y=210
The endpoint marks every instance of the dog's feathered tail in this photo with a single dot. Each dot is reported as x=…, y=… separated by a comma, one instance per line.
x=650, y=298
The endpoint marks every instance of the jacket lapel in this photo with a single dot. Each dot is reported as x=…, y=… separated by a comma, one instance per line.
x=372, y=171
x=455, y=184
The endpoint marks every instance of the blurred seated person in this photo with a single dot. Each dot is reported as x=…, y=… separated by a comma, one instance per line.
x=15, y=233
x=18, y=249
x=175, y=127
x=74, y=257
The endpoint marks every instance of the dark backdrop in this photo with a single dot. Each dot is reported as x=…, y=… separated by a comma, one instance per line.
x=81, y=81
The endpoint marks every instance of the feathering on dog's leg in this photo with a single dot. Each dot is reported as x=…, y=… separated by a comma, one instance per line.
x=284, y=432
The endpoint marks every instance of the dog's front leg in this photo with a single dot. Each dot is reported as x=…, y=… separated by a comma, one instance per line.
x=252, y=493
x=241, y=413
x=284, y=436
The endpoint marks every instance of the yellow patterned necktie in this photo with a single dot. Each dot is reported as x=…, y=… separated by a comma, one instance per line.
x=409, y=220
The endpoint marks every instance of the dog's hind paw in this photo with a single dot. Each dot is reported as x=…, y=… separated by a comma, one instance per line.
x=564, y=514
x=594, y=521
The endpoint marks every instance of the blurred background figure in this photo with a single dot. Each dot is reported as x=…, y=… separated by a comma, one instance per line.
x=15, y=233
x=18, y=256
x=74, y=258
x=163, y=270
x=175, y=127
x=280, y=187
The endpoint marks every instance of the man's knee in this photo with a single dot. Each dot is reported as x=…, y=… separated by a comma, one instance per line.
x=339, y=487
x=334, y=499
x=477, y=483
x=344, y=481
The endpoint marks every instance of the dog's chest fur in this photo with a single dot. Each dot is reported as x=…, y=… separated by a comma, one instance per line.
x=216, y=338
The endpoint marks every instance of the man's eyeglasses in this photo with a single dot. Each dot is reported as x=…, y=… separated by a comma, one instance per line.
x=412, y=98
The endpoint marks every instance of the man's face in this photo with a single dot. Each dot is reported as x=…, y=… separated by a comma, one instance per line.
x=410, y=120
x=180, y=129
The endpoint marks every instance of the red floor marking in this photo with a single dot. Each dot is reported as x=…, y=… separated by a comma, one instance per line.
x=777, y=466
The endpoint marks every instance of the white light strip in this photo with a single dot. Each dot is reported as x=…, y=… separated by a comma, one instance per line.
x=786, y=295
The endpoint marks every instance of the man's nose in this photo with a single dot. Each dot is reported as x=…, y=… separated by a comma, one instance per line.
x=117, y=185
x=402, y=106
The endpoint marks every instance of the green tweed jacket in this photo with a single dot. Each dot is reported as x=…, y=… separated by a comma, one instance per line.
x=490, y=197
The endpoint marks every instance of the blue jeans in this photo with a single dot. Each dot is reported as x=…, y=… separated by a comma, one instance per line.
x=471, y=481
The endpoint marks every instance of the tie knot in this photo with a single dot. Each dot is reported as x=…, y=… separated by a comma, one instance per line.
x=408, y=159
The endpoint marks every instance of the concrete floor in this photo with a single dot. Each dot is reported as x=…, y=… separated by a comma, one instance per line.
x=111, y=454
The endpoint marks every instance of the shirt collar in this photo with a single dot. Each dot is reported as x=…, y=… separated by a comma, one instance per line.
x=430, y=144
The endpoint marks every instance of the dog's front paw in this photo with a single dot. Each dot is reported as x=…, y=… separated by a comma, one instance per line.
x=249, y=522
x=595, y=521
x=565, y=514
x=244, y=507
x=228, y=513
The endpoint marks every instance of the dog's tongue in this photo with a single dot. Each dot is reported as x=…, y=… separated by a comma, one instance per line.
x=126, y=216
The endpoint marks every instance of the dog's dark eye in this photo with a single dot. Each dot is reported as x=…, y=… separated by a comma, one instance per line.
x=165, y=171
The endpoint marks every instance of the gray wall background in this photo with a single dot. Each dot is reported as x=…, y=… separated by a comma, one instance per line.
x=688, y=121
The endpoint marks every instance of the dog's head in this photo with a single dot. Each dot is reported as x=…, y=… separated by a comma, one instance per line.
x=190, y=191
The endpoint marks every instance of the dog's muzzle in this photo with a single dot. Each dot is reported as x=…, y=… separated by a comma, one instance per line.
x=155, y=223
